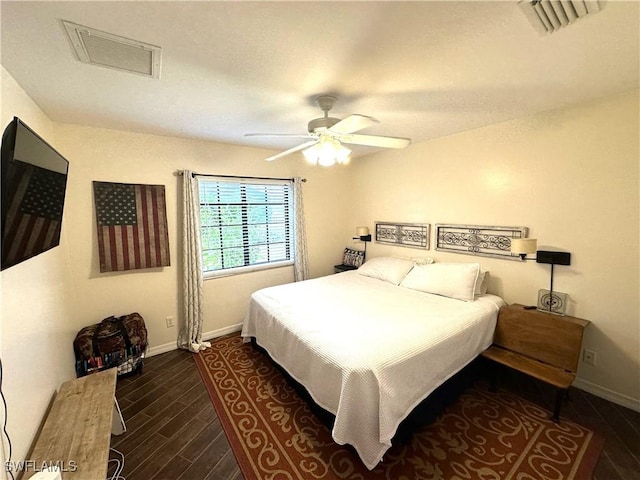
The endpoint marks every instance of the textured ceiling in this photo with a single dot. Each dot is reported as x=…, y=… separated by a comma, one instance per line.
x=424, y=69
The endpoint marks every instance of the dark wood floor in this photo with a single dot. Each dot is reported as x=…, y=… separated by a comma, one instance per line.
x=173, y=431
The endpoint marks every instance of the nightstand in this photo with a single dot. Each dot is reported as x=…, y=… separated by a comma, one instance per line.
x=343, y=268
x=540, y=344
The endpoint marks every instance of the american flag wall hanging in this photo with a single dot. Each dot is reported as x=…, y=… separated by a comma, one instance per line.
x=132, y=226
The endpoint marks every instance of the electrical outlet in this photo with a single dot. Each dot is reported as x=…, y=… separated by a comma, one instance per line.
x=589, y=357
x=170, y=322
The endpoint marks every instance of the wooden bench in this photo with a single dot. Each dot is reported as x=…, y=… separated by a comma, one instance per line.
x=542, y=345
x=76, y=434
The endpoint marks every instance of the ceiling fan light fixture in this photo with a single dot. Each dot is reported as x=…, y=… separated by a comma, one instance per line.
x=328, y=134
x=327, y=152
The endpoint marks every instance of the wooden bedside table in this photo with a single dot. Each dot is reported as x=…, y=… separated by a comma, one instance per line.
x=343, y=268
x=542, y=345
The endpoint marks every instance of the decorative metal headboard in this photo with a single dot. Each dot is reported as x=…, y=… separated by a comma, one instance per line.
x=414, y=235
x=482, y=240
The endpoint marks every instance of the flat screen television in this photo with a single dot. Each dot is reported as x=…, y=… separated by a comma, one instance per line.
x=33, y=179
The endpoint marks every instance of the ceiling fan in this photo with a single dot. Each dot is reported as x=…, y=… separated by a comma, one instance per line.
x=327, y=134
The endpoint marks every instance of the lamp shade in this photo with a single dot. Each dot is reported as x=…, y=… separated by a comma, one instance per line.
x=362, y=231
x=524, y=245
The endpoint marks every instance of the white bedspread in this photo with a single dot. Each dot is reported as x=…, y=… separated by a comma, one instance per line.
x=366, y=350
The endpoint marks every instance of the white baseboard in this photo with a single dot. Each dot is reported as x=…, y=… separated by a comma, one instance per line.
x=168, y=347
x=158, y=349
x=222, y=331
x=615, y=397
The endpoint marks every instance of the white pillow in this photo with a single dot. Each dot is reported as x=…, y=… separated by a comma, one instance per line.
x=389, y=269
x=454, y=280
x=482, y=282
x=422, y=260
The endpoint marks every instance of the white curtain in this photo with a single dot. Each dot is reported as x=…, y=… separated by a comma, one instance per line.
x=191, y=336
x=301, y=266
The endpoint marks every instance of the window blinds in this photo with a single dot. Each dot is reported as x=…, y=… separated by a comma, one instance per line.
x=245, y=222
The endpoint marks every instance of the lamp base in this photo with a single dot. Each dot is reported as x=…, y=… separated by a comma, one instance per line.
x=552, y=302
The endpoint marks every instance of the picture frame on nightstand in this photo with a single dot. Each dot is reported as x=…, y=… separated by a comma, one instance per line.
x=552, y=302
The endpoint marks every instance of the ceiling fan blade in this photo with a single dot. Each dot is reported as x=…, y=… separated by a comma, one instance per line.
x=353, y=123
x=281, y=135
x=376, y=141
x=292, y=150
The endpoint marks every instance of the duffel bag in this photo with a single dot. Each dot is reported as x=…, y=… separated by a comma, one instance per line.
x=114, y=342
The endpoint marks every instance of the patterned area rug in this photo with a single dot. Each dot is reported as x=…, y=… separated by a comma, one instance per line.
x=483, y=435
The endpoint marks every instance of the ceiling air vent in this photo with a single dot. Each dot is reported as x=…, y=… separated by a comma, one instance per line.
x=111, y=51
x=547, y=16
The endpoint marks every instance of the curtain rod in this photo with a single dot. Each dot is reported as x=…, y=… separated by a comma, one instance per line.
x=180, y=173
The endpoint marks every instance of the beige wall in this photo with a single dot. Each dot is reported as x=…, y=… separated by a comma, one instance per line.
x=571, y=176
x=36, y=329
x=110, y=155
x=47, y=299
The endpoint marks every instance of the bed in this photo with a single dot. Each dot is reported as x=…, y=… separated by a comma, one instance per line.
x=370, y=344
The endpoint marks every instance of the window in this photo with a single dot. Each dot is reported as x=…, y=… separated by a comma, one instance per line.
x=245, y=224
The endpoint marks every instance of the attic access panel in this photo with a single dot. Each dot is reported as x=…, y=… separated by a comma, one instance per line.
x=112, y=51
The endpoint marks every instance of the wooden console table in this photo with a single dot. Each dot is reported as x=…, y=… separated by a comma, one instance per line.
x=540, y=344
x=77, y=431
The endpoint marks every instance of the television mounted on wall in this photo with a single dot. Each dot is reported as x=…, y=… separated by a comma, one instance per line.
x=33, y=182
